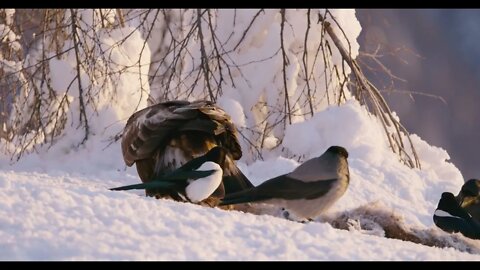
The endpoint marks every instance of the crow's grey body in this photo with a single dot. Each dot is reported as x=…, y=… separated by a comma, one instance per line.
x=307, y=191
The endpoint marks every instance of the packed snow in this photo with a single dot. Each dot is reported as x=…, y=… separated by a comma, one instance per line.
x=55, y=204
x=58, y=208
x=74, y=217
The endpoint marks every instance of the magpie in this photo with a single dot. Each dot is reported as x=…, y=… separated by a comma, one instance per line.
x=196, y=181
x=451, y=217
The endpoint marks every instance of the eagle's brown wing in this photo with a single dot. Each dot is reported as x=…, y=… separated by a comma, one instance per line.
x=151, y=128
x=164, y=136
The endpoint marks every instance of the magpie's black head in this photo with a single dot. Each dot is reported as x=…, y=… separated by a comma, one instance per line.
x=217, y=155
x=471, y=188
x=338, y=150
x=447, y=203
x=447, y=196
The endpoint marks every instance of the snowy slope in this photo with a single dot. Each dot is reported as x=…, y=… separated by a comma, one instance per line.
x=55, y=208
x=74, y=217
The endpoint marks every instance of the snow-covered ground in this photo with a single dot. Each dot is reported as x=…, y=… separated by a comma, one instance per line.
x=74, y=217
x=59, y=207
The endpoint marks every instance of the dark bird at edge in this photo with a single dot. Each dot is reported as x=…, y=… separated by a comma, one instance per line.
x=451, y=217
x=469, y=198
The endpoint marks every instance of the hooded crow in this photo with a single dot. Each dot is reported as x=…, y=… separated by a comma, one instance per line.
x=307, y=191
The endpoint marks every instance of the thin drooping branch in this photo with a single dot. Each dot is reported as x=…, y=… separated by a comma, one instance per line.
x=120, y=16
x=244, y=34
x=204, y=58
x=305, y=64
x=380, y=106
x=83, y=113
x=375, y=58
x=217, y=55
x=411, y=93
x=285, y=64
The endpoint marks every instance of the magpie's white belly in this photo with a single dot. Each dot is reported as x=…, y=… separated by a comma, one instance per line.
x=202, y=188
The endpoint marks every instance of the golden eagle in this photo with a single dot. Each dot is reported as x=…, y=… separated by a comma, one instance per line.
x=164, y=136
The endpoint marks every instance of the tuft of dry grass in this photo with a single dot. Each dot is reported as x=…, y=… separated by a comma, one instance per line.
x=376, y=219
x=373, y=219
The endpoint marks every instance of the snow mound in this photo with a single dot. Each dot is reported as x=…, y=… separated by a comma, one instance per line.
x=70, y=217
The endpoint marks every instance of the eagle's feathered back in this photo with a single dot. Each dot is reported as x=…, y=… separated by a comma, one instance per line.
x=164, y=136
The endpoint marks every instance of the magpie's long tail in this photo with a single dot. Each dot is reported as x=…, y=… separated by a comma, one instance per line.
x=168, y=180
x=153, y=184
